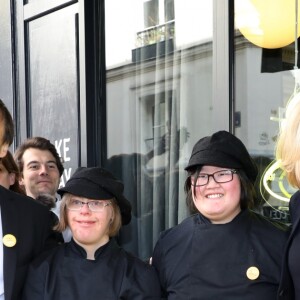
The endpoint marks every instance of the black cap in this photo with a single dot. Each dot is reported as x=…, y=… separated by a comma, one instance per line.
x=98, y=183
x=223, y=149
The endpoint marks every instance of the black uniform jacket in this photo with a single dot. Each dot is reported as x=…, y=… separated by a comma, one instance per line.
x=29, y=222
x=65, y=273
x=199, y=260
x=286, y=288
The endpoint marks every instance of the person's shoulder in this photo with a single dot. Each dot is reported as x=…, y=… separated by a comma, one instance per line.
x=125, y=257
x=29, y=208
x=7, y=194
x=48, y=257
x=22, y=201
x=296, y=195
x=295, y=200
x=294, y=206
x=19, y=198
x=141, y=275
x=179, y=236
x=134, y=265
x=29, y=204
x=269, y=233
x=174, y=242
x=134, y=260
x=181, y=229
x=268, y=223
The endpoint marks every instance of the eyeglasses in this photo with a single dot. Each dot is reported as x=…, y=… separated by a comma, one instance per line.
x=93, y=205
x=219, y=177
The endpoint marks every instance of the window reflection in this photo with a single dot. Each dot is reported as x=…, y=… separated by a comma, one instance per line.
x=158, y=88
x=263, y=87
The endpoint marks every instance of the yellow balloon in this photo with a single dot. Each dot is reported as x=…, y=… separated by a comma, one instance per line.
x=267, y=23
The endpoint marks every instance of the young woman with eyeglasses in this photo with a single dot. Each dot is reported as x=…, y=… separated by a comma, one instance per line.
x=92, y=265
x=224, y=250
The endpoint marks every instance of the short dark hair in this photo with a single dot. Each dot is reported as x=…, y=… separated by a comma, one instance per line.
x=7, y=121
x=248, y=199
x=39, y=143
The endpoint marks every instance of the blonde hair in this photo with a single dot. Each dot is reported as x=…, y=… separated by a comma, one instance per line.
x=115, y=224
x=288, y=142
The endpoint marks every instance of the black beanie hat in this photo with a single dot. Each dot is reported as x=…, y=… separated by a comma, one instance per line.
x=223, y=149
x=98, y=183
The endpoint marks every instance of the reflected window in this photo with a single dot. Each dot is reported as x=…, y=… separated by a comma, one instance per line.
x=159, y=87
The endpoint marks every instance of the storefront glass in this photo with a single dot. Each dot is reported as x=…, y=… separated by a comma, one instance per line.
x=159, y=103
x=264, y=83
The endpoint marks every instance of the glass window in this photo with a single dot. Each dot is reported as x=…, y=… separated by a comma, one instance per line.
x=159, y=103
x=53, y=107
x=264, y=83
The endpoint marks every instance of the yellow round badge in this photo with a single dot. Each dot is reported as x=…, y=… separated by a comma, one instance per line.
x=252, y=273
x=9, y=240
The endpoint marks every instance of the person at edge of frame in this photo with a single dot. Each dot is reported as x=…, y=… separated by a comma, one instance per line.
x=288, y=156
x=25, y=226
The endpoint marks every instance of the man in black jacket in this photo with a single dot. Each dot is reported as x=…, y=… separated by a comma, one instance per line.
x=25, y=226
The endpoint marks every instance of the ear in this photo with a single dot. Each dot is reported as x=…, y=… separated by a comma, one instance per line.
x=112, y=217
x=21, y=181
x=3, y=150
x=12, y=178
x=112, y=214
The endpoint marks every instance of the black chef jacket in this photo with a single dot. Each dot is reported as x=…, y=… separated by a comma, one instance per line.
x=65, y=273
x=288, y=281
x=199, y=260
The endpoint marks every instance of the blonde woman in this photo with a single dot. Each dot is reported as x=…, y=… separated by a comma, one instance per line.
x=288, y=154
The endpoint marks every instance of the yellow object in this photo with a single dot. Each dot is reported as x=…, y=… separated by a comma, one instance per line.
x=252, y=273
x=267, y=23
x=9, y=240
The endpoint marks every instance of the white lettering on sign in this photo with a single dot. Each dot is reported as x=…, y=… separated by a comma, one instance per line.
x=65, y=177
x=63, y=148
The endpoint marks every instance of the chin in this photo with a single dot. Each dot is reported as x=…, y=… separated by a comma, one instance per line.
x=84, y=240
x=46, y=191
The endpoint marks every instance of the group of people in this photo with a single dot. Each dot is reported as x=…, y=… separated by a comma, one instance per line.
x=224, y=250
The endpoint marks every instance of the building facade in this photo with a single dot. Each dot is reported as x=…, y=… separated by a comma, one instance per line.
x=131, y=85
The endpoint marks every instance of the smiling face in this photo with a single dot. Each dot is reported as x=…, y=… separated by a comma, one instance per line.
x=40, y=173
x=90, y=228
x=219, y=202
